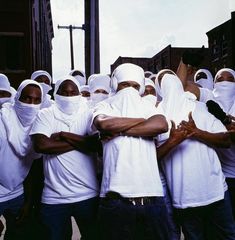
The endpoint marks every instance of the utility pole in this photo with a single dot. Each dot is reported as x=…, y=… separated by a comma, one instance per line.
x=71, y=28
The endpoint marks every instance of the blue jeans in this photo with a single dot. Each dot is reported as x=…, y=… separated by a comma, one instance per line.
x=10, y=210
x=212, y=222
x=120, y=220
x=57, y=219
x=231, y=189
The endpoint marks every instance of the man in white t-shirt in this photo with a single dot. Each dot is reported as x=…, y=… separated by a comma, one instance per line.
x=192, y=167
x=132, y=205
x=60, y=132
x=16, y=156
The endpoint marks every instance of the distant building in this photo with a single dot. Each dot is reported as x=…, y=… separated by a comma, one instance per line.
x=26, y=31
x=221, y=41
x=169, y=57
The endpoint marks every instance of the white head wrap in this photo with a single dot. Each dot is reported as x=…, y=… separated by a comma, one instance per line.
x=207, y=82
x=157, y=80
x=4, y=83
x=21, y=116
x=149, y=73
x=80, y=79
x=68, y=77
x=67, y=107
x=99, y=81
x=175, y=103
x=128, y=72
x=224, y=91
x=85, y=88
x=41, y=73
x=5, y=86
x=149, y=82
x=224, y=70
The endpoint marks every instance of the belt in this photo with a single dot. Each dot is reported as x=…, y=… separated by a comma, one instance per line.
x=136, y=201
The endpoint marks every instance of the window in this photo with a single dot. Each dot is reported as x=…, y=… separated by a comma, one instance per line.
x=224, y=48
x=11, y=51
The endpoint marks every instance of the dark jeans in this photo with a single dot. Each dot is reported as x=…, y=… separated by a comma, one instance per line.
x=120, y=220
x=212, y=222
x=231, y=190
x=10, y=210
x=57, y=219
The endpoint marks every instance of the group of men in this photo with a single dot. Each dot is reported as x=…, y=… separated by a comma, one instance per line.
x=166, y=161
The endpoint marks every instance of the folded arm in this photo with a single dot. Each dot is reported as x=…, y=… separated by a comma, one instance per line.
x=151, y=127
x=114, y=125
x=52, y=145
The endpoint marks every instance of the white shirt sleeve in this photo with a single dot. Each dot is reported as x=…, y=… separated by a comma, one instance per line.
x=43, y=123
x=101, y=108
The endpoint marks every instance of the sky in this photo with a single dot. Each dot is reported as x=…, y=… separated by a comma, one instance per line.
x=134, y=28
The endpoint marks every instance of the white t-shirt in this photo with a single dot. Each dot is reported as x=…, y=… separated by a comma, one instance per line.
x=13, y=169
x=69, y=177
x=193, y=169
x=129, y=164
x=226, y=155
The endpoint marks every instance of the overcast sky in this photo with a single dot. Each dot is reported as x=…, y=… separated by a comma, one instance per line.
x=135, y=28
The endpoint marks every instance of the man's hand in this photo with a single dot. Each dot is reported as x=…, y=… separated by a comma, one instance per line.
x=189, y=126
x=177, y=135
x=24, y=214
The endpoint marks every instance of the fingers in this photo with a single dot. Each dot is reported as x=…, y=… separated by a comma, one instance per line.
x=190, y=116
x=172, y=124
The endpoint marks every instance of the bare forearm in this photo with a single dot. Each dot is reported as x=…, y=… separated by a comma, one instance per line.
x=85, y=144
x=221, y=140
x=116, y=124
x=149, y=128
x=165, y=148
x=182, y=73
x=49, y=146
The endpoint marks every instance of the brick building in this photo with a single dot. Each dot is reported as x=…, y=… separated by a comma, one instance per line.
x=26, y=31
x=169, y=57
x=221, y=41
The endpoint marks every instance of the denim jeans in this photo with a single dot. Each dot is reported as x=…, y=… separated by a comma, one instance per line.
x=10, y=210
x=231, y=189
x=57, y=219
x=120, y=220
x=212, y=222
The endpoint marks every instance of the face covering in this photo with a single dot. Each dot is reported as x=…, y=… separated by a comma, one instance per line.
x=224, y=93
x=26, y=112
x=45, y=87
x=68, y=105
x=151, y=98
x=4, y=100
x=98, y=97
x=205, y=83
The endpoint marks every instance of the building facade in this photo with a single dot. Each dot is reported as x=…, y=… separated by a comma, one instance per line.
x=221, y=41
x=169, y=57
x=26, y=32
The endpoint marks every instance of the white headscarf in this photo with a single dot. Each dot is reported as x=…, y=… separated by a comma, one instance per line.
x=157, y=80
x=5, y=86
x=128, y=72
x=41, y=73
x=151, y=98
x=46, y=101
x=67, y=108
x=207, y=82
x=128, y=100
x=148, y=73
x=175, y=103
x=81, y=80
x=85, y=88
x=224, y=91
x=18, y=119
x=99, y=81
